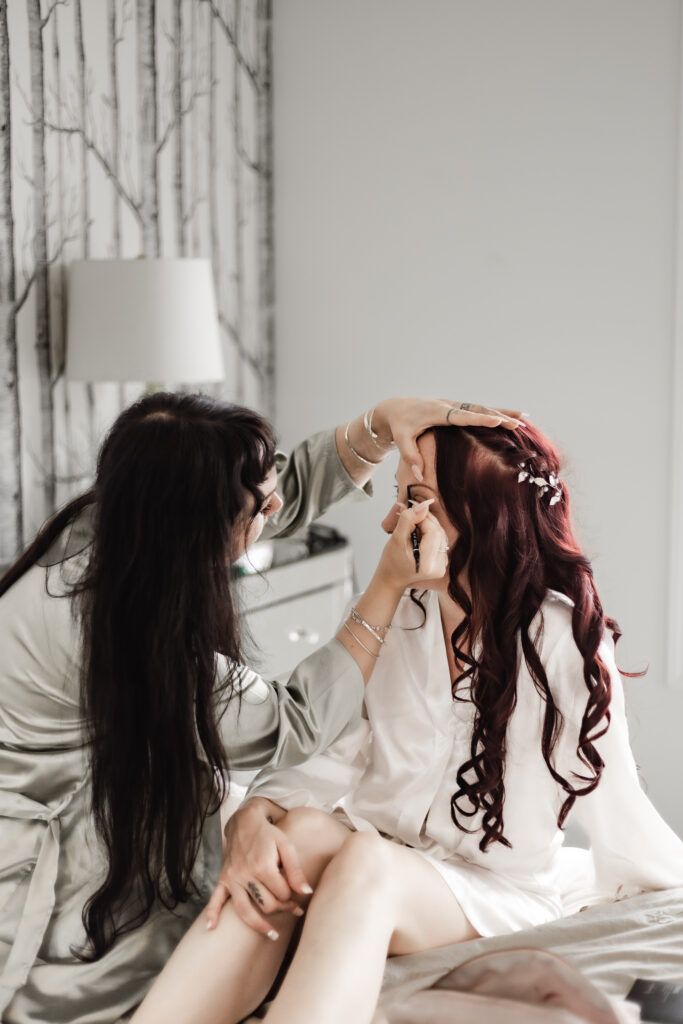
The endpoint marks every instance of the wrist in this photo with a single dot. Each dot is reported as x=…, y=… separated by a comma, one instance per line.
x=262, y=807
x=381, y=425
x=361, y=446
x=378, y=432
x=384, y=589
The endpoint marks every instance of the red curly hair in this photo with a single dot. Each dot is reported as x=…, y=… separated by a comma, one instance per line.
x=514, y=546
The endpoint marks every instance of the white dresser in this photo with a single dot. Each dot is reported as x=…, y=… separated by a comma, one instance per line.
x=290, y=610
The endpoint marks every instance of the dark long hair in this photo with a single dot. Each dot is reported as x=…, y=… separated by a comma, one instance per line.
x=515, y=545
x=174, y=480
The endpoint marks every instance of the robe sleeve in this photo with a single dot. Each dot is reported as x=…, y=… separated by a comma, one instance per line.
x=633, y=848
x=322, y=782
x=283, y=724
x=310, y=480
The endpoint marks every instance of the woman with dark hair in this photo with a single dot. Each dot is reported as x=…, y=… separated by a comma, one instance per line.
x=124, y=700
x=495, y=711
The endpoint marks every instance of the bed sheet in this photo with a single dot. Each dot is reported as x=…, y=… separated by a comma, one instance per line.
x=610, y=943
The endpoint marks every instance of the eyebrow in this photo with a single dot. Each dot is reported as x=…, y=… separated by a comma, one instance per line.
x=425, y=487
x=417, y=483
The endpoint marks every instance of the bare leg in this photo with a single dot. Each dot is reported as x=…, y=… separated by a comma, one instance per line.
x=374, y=898
x=220, y=976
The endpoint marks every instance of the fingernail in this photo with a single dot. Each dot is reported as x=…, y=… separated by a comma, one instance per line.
x=209, y=925
x=307, y=889
x=298, y=912
x=417, y=472
x=273, y=935
x=425, y=503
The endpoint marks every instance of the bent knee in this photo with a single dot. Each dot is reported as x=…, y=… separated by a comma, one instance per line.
x=302, y=822
x=365, y=859
x=310, y=829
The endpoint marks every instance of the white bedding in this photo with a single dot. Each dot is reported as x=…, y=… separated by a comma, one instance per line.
x=612, y=944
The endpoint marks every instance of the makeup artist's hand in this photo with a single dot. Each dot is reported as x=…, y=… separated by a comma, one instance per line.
x=417, y=550
x=261, y=872
x=402, y=420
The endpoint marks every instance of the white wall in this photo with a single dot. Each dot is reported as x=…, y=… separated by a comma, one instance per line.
x=479, y=201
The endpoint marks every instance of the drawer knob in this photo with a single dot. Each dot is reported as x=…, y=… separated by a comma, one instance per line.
x=309, y=636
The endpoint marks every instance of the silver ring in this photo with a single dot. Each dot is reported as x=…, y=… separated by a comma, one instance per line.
x=460, y=407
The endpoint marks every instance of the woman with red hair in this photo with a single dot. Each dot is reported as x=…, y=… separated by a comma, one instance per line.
x=495, y=711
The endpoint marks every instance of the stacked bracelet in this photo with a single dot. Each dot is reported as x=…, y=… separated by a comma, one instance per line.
x=361, y=458
x=359, y=641
x=379, y=632
x=382, y=445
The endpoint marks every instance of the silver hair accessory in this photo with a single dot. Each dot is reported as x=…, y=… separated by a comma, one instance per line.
x=545, y=484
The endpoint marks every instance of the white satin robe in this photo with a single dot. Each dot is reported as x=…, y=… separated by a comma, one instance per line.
x=396, y=772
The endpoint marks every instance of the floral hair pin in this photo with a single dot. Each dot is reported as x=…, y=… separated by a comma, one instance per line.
x=545, y=484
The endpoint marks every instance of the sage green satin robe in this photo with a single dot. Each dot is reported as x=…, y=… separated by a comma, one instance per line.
x=50, y=857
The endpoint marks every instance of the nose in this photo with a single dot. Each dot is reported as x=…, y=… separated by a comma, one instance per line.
x=276, y=505
x=389, y=521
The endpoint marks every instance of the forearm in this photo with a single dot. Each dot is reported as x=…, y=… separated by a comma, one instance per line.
x=311, y=480
x=377, y=606
x=360, y=453
x=260, y=807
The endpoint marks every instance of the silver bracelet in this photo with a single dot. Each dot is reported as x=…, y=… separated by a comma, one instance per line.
x=367, y=423
x=359, y=641
x=361, y=458
x=379, y=632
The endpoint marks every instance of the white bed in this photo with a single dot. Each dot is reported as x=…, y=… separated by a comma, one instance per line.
x=611, y=944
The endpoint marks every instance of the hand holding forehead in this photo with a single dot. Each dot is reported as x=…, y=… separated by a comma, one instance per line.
x=403, y=420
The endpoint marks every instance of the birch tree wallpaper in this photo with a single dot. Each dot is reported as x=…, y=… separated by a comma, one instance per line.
x=127, y=128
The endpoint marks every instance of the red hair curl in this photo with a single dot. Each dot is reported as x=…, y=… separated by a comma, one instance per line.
x=515, y=546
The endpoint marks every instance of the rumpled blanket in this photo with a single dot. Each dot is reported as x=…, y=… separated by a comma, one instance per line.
x=517, y=986
x=611, y=944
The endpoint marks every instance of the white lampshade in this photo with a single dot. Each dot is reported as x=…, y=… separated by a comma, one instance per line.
x=143, y=320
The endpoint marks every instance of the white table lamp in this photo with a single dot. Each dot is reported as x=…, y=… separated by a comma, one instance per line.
x=147, y=320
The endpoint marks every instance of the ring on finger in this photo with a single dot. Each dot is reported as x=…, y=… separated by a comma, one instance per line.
x=460, y=407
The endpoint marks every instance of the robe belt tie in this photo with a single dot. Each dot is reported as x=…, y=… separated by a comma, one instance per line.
x=40, y=899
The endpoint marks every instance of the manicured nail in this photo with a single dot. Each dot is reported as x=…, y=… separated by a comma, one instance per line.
x=209, y=925
x=417, y=472
x=307, y=889
x=298, y=912
x=273, y=935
